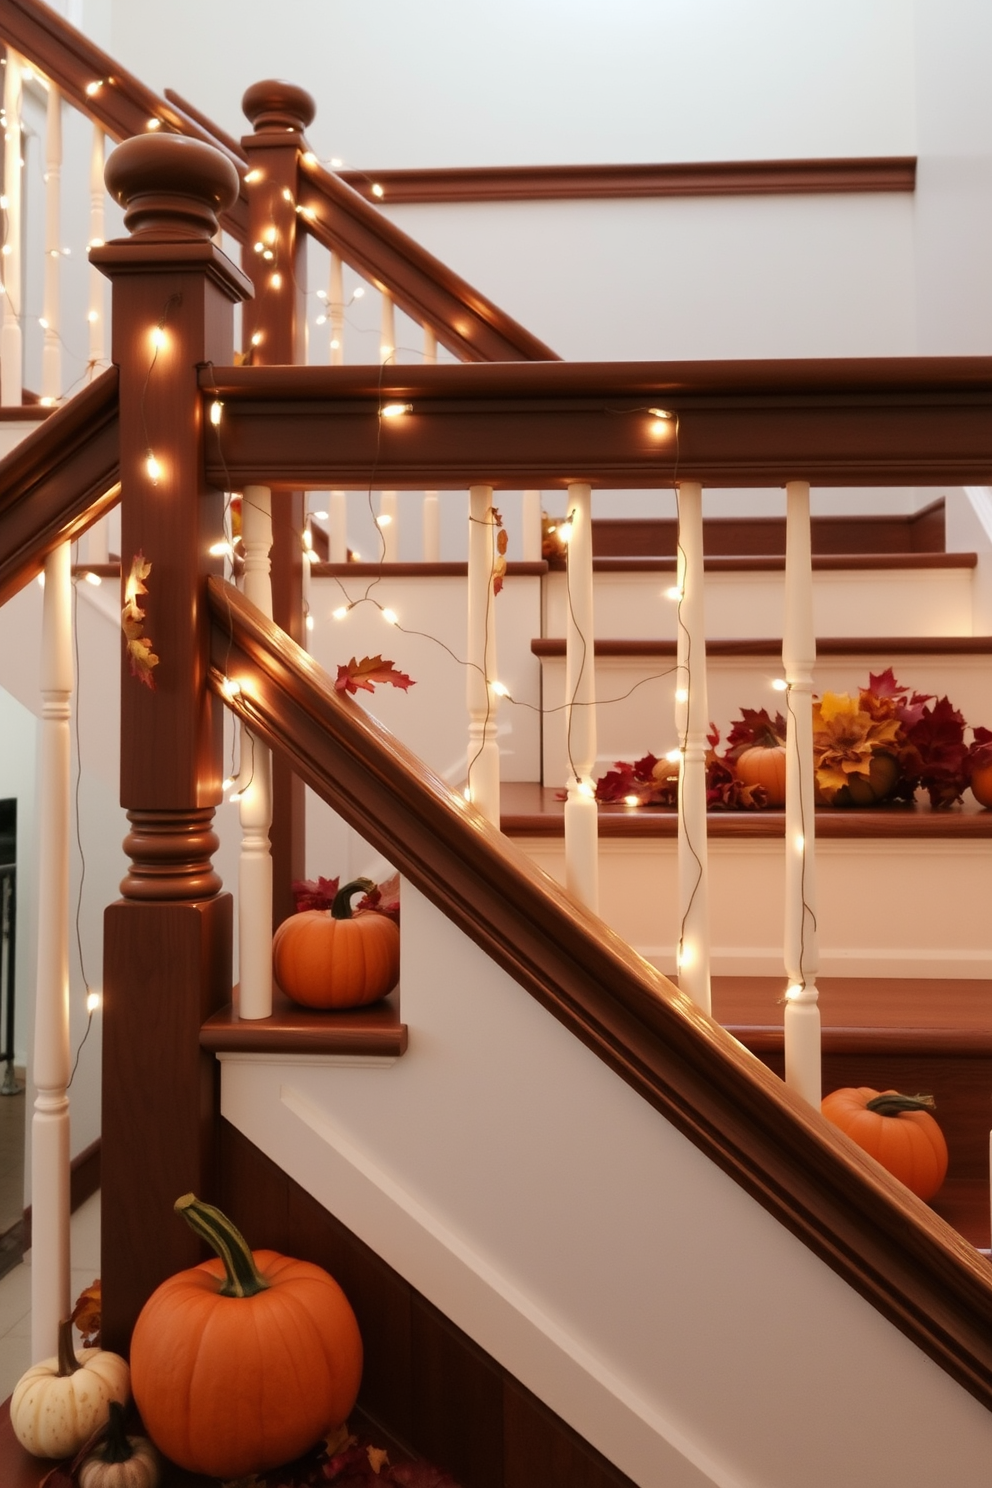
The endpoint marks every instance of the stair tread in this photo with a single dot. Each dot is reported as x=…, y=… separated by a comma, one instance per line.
x=859, y=1008
x=967, y=645
x=374, y=1030
x=533, y=810
x=775, y=562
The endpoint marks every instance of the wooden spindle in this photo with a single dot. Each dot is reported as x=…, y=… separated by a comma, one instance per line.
x=802, y=1013
x=11, y=339
x=389, y=526
x=691, y=721
x=482, y=786
x=51, y=352
x=335, y=311
x=337, y=527
x=255, y=786
x=531, y=524
x=50, y=1300
x=387, y=330
x=581, y=811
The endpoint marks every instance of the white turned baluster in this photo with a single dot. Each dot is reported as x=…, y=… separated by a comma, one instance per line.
x=388, y=524
x=387, y=330
x=581, y=811
x=531, y=524
x=692, y=720
x=51, y=354
x=255, y=785
x=802, y=1014
x=335, y=310
x=432, y=505
x=11, y=351
x=50, y=1300
x=483, y=752
x=337, y=527
x=97, y=539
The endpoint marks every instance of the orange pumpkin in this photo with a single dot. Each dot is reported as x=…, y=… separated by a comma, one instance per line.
x=764, y=764
x=981, y=784
x=329, y=959
x=897, y=1130
x=240, y=1364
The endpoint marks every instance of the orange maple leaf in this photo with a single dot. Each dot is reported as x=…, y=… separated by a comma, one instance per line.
x=87, y=1314
x=366, y=673
x=139, y=647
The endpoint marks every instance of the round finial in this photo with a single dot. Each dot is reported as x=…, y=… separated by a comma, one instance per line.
x=171, y=186
x=278, y=106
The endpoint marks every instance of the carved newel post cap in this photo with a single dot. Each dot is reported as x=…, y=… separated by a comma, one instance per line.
x=170, y=186
x=278, y=106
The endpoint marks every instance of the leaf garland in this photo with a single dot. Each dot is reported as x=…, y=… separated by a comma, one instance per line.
x=139, y=647
x=364, y=675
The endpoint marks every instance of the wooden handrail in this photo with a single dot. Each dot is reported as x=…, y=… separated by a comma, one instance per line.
x=58, y=481
x=465, y=321
x=871, y=421
x=869, y=1229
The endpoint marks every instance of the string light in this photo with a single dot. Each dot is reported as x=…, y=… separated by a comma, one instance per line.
x=631, y=800
x=221, y=550
x=467, y=793
x=309, y=622
x=216, y=409
x=500, y=689
x=158, y=337
x=93, y=1000
x=800, y=842
x=681, y=694
x=287, y=195
x=231, y=688
x=253, y=176
x=256, y=339
x=565, y=531
x=396, y=410
x=585, y=789
x=309, y=158
x=340, y=612
x=92, y=578
x=153, y=468
x=154, y=124
x=794, y=991
x=276, y=280
x=664, y=415
x=358, y=293
x=780, y=684
x=674, y=756
x=390, y=617
x=383, y=520
x=377, y=190
x=674, y=593
x=93, y=88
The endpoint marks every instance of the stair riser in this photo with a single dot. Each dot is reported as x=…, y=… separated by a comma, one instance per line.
x=645, y=720
x=915, y=908
x=883, y=602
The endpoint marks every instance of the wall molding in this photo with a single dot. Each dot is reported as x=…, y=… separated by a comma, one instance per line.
x=878, y=173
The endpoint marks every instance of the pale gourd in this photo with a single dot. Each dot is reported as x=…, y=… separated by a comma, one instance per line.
x=120, y=1461
x=58, y=1404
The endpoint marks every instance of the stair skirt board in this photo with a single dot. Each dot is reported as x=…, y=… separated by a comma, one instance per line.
x=548, y=1211
x=912, y=907
x=425, y=1381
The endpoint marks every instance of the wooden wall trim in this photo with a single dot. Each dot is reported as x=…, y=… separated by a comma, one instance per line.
x=58, y=481
x=597, y=182
x=887, y=1245
x=843, y=422
x=825, y=646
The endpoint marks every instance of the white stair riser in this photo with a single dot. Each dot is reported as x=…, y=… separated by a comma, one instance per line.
x=644, y=720
x=894, y=907
x=882, y=602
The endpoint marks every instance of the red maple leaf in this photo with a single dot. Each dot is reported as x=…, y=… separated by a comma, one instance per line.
x=314, y=893
x=937, y=742
x=755, y=726
x=365, y=674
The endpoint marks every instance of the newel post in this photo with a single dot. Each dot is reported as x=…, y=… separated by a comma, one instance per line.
x=275, y=326
x=167, y=941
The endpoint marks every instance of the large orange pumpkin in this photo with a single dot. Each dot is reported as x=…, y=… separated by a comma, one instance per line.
x=329, y=959
x=764, y=764
x=897, y=1130
x=240, y=1364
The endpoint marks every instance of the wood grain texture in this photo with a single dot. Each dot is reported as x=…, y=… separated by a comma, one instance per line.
x=921, y=532
x=843, y=422
x=889, y=1247
x=599, y=182
x=970, y=645
x=292, y=1029
x=58, y=481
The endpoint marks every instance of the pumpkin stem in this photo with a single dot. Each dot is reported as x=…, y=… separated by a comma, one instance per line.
x=68, y=1363
x=243, y=1277
x=890, y=1103
x=341, y=907
x=116, y=1446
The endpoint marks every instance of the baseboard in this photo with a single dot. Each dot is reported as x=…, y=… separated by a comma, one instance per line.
x=940, y=962
x=84, y=1180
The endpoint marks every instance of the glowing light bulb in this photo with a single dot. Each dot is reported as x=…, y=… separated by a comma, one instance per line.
x=780, y=684
x=336, y=164
x=43, y=322
x=800, y=842
x=228, y=782
x=674, y=593
x=309, y=158
x=681, y=695
x=287, y=195
x=41, y=581
x=377, y=190
x=665, y=415
x=687, y=955
x=236, y=795
x=674, y=756
x=256, y=339
x=154, y=124
x=276, y=280
x=47, y=402
x=390, y=617
x=340, y=612
x=585, y=789
x=310, y=555
x=231, y=688
x=383, y=520
x=396, y=410
x=467, y=793
x=358, y=294
x=270, y=235
x=565, y=531
x=92, y=1001
x=158, y=338
x=307, y=538
x=93, y=88
x=321, y=320
x=794, y=991
x=221, y=550
x=309, y=622
x=253, y=176
x=259, y=247
x=93, y=317
x=500, y=689
x=320, y=515
x=335, y=343
x=153, y=468
x=92, y=578
x=631, y=800
x=95, y=243
x=216, y=409
x=268, y=255
x=4, y=203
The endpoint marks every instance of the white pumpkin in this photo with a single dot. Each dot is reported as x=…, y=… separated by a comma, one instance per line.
x=58, y=1404
x=120, y=1461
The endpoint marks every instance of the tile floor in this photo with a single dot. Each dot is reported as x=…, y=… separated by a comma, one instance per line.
x=15, y=1293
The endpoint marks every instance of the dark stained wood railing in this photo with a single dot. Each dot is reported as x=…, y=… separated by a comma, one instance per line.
x=885, y=1243
x=884, y=421
x=59, y=480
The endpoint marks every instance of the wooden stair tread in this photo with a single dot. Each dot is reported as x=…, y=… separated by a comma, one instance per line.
x=775, y=563
x=969, y=645
x=863, y=532
x=533, y=810
x=370, y=1031
x=955, y=1013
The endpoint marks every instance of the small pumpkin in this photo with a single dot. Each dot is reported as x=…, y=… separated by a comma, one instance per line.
x=120, y=1461
x=242, y=1363
x=58, y=1404
x=897, y=1130
x=981, y=784
x=333, y=959
x=764, y=764
x=881, y=781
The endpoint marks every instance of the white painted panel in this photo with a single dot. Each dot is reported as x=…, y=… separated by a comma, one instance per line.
x=549, y=1211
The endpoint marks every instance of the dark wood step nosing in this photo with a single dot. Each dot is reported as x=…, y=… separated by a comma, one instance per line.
x=373, y=1031
x=775, y=563
x=554, y=646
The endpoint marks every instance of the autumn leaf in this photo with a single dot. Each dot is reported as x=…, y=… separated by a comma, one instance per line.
x=755, y=726
x=140, y=655
x=499, y=561
x=365, y=674
x=86, y=1314
x=314, y=893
